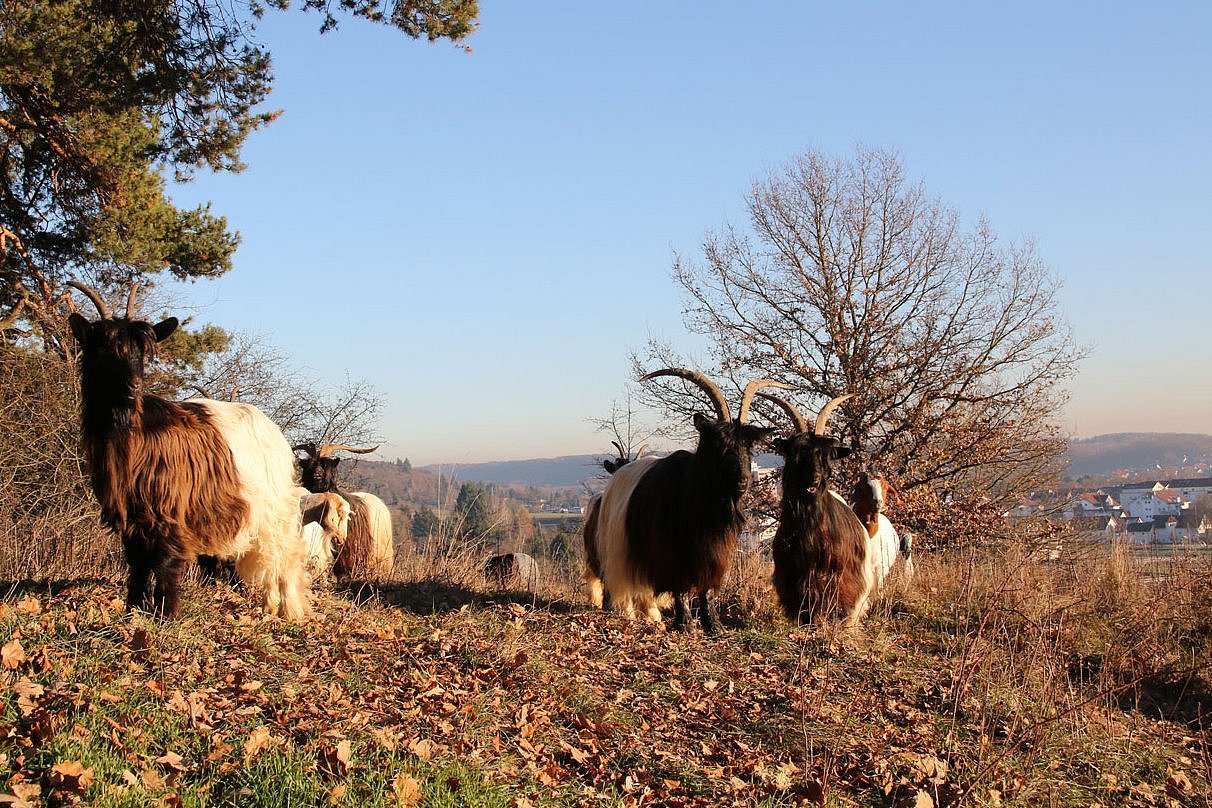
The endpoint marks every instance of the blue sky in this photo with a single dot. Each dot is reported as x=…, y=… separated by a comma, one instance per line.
x=485, y=236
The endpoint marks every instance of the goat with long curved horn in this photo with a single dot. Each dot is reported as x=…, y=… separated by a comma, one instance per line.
x=821, y=568
x=370, y=549
x=671, y=524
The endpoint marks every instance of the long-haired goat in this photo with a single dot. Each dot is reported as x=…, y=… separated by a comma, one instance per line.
x=820, y=547
x=869, y=497
x=179, y=479
x=325, y=529
x=589, y=530
x=671, y=524
x=369, y=552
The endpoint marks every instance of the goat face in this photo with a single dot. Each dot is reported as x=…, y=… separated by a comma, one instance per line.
x=113, y=353
x=809, y=460
x=319, y=473
x=730, y=439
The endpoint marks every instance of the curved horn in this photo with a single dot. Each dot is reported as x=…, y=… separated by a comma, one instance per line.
x=328, y=449
x=102, y=309
x=822, y=417
x=131, y=299
x=617, y=446
x=797, y=417
x=751, y=389
x=310, y=448
x=709, y=387
x=640, y=452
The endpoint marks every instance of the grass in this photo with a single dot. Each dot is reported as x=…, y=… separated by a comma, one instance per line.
x=992, y=681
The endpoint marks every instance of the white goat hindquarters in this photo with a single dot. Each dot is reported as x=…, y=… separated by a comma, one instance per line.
x=628, y=587
x=882, y=548
x=267, y=551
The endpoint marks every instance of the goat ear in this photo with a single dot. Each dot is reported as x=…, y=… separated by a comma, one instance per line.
x=165, y=328
x=80, y=326
x=842, y=450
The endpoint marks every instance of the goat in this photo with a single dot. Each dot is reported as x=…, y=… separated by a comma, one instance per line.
x=509, y=568
x=671, y=524
x=325, y=529
x=820, y=547
x=868, y=498
x=589, y=530
x=178, y=479
x=369, y=551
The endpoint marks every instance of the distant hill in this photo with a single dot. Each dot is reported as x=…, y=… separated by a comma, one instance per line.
x=1178, y=453
x=552, y=471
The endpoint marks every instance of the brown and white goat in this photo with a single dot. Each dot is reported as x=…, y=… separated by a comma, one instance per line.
x=369, y=551
x=820, y=547
x=671, y=524
x=179, y=479
x=325, y=530
x=869, y=498
x=589, y=530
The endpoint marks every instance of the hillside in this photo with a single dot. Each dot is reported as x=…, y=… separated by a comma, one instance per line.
x=955, y=692
x=1177, y=454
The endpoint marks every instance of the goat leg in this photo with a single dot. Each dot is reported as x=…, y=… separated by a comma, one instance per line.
x=681, y=610
x=138, y=586
x=707, y=614
x=169, y=572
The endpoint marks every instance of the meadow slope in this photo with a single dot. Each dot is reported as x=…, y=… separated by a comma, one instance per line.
x=983, y=683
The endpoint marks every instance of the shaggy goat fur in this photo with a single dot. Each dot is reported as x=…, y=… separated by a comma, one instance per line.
x=869, y=497
x=180, y=479
x=589, y=529
x=820, y=547
x=671, y=525
x=369, y=551
x=325, y=529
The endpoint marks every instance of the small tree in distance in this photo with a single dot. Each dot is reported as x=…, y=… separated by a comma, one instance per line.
x=850, y=279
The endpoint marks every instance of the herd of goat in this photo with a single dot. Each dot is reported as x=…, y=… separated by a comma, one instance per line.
x=200, y=479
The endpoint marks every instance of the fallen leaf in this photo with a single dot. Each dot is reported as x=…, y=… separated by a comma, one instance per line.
x=407, y=790
x=334, y=760
x=12, y=655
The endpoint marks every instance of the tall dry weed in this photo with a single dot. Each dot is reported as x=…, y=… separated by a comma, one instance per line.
x=49, y=521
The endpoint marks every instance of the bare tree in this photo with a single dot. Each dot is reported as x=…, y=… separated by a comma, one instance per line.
x=254, y=371
x=851, y=279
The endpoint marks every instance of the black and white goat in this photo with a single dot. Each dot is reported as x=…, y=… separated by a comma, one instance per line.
x=589, y=530
x=821, y=567
x=180, y=479
x=369, y=550
x=671, y=524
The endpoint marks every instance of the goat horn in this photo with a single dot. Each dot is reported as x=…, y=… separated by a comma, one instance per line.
x=797, y=417
x=822, y=417
x=709, y=387
x=616, y=445
x=310, y=448
x=640, y=452
x=328, y=449
x=131, y=299
x=751, y=389
x=102, y=309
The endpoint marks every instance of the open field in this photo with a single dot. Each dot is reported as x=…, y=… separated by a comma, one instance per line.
x=991, y=684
